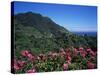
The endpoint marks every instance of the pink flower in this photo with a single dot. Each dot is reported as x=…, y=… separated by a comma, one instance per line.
x=30, y=57
x=68, y=57
x=75, y=51
x=65, y=66
x=83, y=54
x=16, y=67
x=68, y=53
x=90, y=65
x=31, y=71
x=54, y=54
x=62, y=50
x=81, y=48
x=17, y=64
x=63, y=53
x=24, y=53
x=89, y=49
x=20, y=63
x=69, y=62
x=27, y=54
x=92, y=53
x=14, y=61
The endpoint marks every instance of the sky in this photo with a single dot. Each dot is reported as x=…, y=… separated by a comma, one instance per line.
x=75, y=18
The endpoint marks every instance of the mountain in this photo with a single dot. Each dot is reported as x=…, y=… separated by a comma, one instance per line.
x=41, y=34
x=41, y=23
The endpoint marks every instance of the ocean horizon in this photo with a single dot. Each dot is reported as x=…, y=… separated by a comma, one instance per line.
x=94, y=33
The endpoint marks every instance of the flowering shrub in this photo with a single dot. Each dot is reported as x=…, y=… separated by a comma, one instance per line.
x=65, y=59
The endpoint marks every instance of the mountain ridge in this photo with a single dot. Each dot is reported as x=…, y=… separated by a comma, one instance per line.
x=43, y=24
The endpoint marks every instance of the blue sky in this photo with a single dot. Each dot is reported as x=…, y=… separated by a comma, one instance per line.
x=72, y=17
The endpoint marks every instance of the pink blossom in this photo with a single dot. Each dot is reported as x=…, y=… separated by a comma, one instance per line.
x=69, y=62
x=83, y=54
x=89, y=49
x=81, y=48
x=68, y=53
x=31, y=71
x=65, y=66
x=24, y=53
x=75, y=51
x=30, y=57
x=16, y=67
x=62, y=50
x=90, y=65
x=15, y=61
x=54, y=54
x=68, y=57
x=20, y=63
x=92, y=53
x=62, y=54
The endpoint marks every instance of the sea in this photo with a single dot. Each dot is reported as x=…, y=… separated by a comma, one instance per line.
x=86, y=33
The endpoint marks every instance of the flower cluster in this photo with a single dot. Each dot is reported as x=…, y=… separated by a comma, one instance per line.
x=65, y=59
x=26, y=53
x=18, y=64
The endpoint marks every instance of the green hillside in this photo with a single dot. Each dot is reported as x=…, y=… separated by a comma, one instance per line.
x=40, y=34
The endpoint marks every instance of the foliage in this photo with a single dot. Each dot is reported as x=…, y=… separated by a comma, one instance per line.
x=40, y=35
x=55, y=61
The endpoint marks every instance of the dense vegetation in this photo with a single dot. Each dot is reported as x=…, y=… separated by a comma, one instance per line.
x=63, y=60
x=39, y=34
